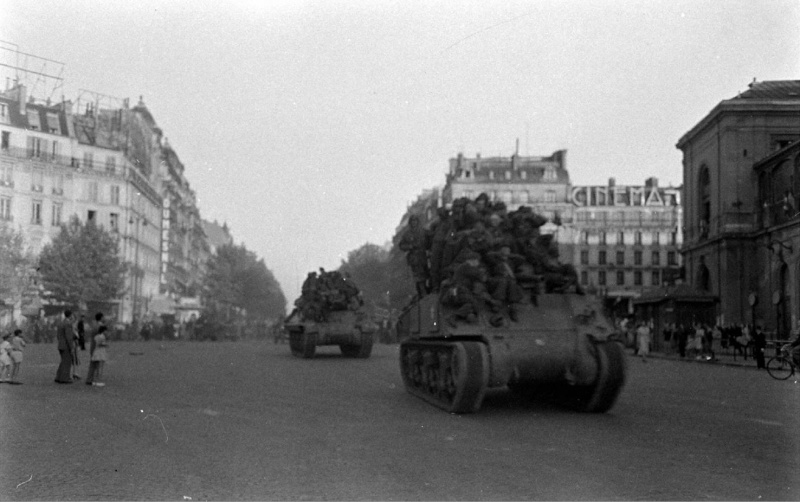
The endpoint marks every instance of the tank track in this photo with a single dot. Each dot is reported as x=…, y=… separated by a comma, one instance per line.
x=453, y=375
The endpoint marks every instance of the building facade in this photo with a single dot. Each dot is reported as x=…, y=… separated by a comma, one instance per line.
x=95, y=164
x=740, y=173
x=626, y=239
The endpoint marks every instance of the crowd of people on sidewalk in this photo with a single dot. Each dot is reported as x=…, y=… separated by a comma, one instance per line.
x=71, y=337
x=703, y=342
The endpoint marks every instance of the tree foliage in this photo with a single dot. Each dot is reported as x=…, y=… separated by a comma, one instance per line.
x=381, y=275
x=16, y=263
x=237, y=280
x=82, y=264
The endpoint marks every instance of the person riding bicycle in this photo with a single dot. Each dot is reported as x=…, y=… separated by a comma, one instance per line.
x=793, y=348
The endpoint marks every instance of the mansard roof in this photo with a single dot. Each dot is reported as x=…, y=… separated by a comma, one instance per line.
x=773, y=89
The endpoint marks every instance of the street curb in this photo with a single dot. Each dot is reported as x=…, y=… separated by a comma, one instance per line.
x=717, y=362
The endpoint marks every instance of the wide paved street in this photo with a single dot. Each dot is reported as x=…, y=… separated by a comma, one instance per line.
x=180, y=421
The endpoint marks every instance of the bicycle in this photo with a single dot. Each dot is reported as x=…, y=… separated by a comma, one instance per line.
x=781, y=366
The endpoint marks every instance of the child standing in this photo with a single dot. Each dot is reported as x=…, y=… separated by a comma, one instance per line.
x=5, y=359
x=17, y=346
x=98, y=357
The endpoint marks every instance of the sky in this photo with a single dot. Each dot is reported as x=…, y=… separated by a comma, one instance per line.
x=309, y=127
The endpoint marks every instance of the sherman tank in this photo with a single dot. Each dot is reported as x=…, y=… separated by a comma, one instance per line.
x=351, y=330
x=506, y=313
x=561, y=347
x=330, y=311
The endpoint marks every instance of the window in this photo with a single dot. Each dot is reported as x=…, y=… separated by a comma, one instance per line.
x=5, y=208
x=671, y=258
x=88, y=160
x=523, y=175
x=4, y=113
x=637, y=257
x=33, y=119
x=656, y=237
x=601, y=278
x=58, y=184
x=550, y=196
x=491, y=175
x=621, y=238
x=6, y=174
x=603, y=238
x=55, y=151
x=56, y=219
x=673, y=238
x=656, y=278
x=549, y=174
x=620, y=278
x=620, y=257
x=637, y=238
x=508, y=175
x=37, y=180
x=656, y=258
x=584, y=237
x=111, y=163
x=115, y=195
x=6, y=140
x=584, y=277
x=36, y=212
x=91, y=191
x=637, y=278
x=113, y=222
x=53, y=125
x=37, y=147
x=90, y=215
x=584, y=257
x=601, y=257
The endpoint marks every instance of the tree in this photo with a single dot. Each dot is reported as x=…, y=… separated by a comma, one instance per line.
x=82, y=264
x=16, y=264
x=237, y=281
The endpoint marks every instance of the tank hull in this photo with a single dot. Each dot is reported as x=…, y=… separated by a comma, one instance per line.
x=348, y=329
x=560, y=343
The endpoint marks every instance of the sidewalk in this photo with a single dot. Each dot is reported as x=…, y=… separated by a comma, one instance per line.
x=723, y=357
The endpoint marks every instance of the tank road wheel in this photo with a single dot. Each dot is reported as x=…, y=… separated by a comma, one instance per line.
x=303, y=344
x=451, y=375
x=361, y=350
x=611, y=367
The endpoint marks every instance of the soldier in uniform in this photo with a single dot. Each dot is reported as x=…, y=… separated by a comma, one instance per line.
x=413, y=243
x=466, y=290
x=502, y=279
x=437, y=237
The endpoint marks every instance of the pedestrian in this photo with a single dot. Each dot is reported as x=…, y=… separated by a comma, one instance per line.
x=81, y=331
x=5, y=359
x=643, y=340
x=17, y=346
x=65, y=337
x=759, y=347
x=98, y=357
x=683, y=335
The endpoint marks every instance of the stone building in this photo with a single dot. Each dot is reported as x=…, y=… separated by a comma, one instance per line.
x=741, y=174
x=184, y=244
x=58, y=160
x=626, y=239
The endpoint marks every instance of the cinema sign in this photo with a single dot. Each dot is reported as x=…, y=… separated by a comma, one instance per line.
x=625, y=196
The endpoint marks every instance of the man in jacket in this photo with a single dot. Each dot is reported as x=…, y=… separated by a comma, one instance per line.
x=66, y=345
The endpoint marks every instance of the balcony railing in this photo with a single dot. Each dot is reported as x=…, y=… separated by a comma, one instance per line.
x=25, y=153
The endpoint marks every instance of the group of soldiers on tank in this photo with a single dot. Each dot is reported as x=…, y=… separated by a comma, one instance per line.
x=325, y=292
x=479, y=255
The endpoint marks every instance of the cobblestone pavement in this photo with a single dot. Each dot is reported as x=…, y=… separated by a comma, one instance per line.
x=241, y=421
